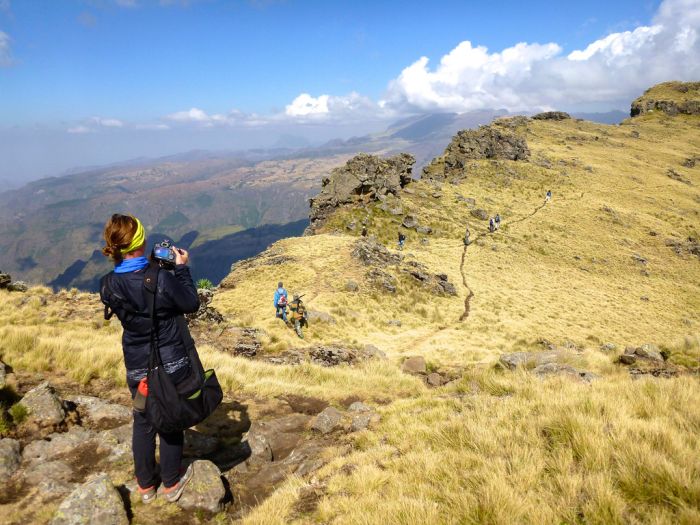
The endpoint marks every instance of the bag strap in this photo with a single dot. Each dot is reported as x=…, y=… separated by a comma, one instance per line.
x=150, y=285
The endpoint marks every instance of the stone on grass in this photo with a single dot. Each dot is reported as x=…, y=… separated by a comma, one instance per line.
x=414, y=365
x=205, y=490
x=361, y=421
x=551, y=369
x=434, y=379
x=351, y=286
x=359, y=406
x=9, y=457
x=523, y=359
x=43, y=405
x=95, y=502
x=608, y=347
x=328, y=420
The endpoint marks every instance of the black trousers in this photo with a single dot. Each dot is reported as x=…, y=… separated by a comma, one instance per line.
x=143, y=444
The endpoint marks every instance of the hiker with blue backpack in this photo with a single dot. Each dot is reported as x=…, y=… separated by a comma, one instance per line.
x=280, y=301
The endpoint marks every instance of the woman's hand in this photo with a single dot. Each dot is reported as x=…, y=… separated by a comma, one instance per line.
x=181, y=256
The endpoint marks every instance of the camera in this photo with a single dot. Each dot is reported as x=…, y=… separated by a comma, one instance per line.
x=164, y=254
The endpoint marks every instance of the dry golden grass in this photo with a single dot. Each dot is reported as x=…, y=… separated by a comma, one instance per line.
x=493, y=446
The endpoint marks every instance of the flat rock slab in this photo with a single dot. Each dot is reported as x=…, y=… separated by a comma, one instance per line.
x=527, y=359
x=556, y=369
x=205, y=490
x=56, y=444
x=95, y=502
x=99, y=412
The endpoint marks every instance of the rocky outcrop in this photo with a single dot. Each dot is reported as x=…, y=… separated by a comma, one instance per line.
x=205, y=313
x=364, y=178
x=646, y=352
x=43, y=406
x=96, y=502
x=437, y=284
x=671, y=98
x=495, y=141
x=372, y=253
x=545, y=364
x=552, y=115
x=6, y=283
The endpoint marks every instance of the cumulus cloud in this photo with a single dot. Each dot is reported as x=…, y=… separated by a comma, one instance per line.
x=530, y=75
x=324, y=107
x=78, y=130
x=107, y=122
x=5, y=51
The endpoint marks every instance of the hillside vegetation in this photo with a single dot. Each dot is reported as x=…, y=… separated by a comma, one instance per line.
x=611, y=261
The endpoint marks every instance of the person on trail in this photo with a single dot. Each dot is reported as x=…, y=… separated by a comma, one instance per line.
x=402, y=240
x=492, y=225
x=280, y=301
x=497, y=220
x=364, y=231
x=299, y=315
x=548, y=197
x=123, y=293
x=467, y=240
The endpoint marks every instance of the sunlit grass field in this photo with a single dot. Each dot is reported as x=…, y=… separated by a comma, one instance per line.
x=492, y=446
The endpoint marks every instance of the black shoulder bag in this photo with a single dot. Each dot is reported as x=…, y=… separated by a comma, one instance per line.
x=170, y=407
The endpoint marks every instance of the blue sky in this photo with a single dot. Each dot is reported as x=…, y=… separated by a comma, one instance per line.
x=116, y=70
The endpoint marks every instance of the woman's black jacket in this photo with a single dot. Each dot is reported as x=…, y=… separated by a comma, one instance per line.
x=176, y=295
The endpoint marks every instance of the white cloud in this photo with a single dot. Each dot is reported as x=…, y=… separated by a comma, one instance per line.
x=155, y=127
x=324, y=107
x=192, y=115
x=5, y=51
x=305, y=105
x=107, y=122
x=79, y=130
x=529, y=76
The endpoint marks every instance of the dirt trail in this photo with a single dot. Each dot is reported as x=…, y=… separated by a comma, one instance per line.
x=470, y=292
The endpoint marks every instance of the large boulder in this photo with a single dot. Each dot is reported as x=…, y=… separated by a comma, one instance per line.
x=327, y=421
x=205, y=490
x=100, y=412
x=415, y=365
x=363, y=178
x=274, y=439
x=9, y=458
x=43, y=405
x=95, y=502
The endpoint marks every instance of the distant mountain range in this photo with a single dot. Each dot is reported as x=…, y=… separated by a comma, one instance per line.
x=224, y=205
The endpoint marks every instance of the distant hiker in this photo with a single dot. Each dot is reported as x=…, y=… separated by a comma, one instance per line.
x=402, y=240
x=492, y=225
x=280, y=301
x=467, y=240
x=124, y=293
x=548, y=197
x=299, y=315
x=364, y=231
x=497, y=220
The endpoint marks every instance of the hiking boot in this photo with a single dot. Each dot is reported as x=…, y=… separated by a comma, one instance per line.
x=148, y=494
x=172, y=494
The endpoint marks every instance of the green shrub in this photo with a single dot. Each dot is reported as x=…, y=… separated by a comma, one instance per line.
x=205, y=283
x=18, y=413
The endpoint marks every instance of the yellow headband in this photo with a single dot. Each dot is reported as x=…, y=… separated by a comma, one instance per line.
x=139, y=238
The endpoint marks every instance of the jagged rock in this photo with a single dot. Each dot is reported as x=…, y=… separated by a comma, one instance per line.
x=18, y=286
x=372, y=351
x=5, y=279
x=444, y=285
x=382, y=280
x=424, y=230
x=372, y=253
x=247, y=344
x=205, y=490
x=608, y=347
x=487, y=142
x=480, y=214
x=410, y=222
x=522, y=359
x=360, y=421
x=9, y=458
x=646, y=351
x=95, y=502
x=320, y=317
x=690, y=245
x=687, y=102
x=549, y=369
x=414, y=365
x=56, y=444
x=43, y=405
x=55, y=470
x=328, y=420
x=98, y=411
x=434, y=379
x=351, y=286
x=552, y=115
x=3, y=375
x=359, y=406
x=205, y=313
x=364, y=177
x=673, y=174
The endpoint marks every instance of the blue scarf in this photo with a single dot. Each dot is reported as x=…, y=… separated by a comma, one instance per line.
x=131, y=265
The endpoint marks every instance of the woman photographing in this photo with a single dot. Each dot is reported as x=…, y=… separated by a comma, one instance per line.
x=123, y=292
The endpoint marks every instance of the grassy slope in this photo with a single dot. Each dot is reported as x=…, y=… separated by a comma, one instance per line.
x=491, y=447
